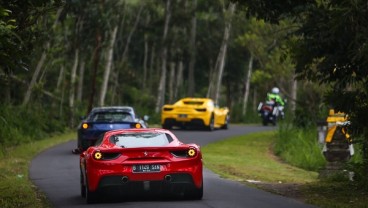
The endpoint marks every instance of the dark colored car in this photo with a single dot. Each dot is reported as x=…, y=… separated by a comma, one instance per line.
x=102, y=119
x=135, y=162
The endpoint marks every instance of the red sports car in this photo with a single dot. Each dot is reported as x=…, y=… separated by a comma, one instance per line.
x=133, y=161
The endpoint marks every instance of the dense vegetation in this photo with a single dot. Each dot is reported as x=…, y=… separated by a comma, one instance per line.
x=60, y=58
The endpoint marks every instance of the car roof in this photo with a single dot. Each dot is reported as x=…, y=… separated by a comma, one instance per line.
x=113, y=108
x=118, y=131
x=196, y=99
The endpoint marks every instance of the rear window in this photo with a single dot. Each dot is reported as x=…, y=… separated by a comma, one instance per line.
x=193, y=103
x=147, y=139
x=111, y=117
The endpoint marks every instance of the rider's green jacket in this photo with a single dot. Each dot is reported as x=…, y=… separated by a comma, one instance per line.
x=276, y=97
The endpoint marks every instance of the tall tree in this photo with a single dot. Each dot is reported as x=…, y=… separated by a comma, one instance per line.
x=220, y=63
x=247, y=85
x=192, y=50
x=161, y=89
x=110, y=53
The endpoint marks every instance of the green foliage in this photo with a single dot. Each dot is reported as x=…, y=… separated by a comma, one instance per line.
x=309, y=99
x=250, y=117
x=299, y=147
x=25, y=124
x=16, y=190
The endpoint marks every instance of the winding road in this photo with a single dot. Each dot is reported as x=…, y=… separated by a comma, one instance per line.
x=56, y=173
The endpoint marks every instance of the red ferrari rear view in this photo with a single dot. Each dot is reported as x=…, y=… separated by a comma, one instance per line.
x=136, y=161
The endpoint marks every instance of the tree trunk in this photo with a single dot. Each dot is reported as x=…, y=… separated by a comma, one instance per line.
x=223, y=50
x=161, y=89
x=192, y=50
x=73, y=76
x=35, y=75
x=246, y=85
x=80, y=81
x=60, y=78
x=145, y=58
x=294, y=90
x=179, y=79
x=106, y=77
x=151, y=67
x=211, y=77
x=114, y=87
x=96, y=59
x=171, y=82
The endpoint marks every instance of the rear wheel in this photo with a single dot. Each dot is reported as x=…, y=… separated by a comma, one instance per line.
x=166, y=126
x=264, y=121
x=196, y=193
x=91, y=196
x=211, y=125
x=82, y=186
x=226, y=123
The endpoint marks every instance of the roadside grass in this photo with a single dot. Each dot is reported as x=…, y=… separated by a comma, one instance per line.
x=16, y=190
x=250, y=158
x=299, y=147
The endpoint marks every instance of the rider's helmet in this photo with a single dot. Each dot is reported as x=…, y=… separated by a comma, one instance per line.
x=275, y=90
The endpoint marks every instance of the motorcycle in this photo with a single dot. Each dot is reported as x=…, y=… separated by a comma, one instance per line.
x=269, y=112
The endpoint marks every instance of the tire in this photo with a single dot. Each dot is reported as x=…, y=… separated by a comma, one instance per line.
x=274, y=121
x=196, y=193
x=82, y=186
x=166, y=126
x=91, y=196
x=226, y=123
x=264, y=121
x=211, y=125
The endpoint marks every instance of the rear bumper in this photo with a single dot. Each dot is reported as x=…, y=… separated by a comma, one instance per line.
x=103, y=175
x=192, y=122
x=171, y=183
x=178, y=118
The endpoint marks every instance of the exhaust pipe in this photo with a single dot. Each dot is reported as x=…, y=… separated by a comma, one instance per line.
x=124, y=179
x=168, y=177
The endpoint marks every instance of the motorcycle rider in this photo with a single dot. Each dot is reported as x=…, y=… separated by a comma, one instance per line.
x=274, y=95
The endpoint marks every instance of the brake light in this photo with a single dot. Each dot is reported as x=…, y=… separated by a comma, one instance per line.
x=192, y=152
x=97, y=155
x=201, y=109
x=168, y=109
x=137, y=125
x=105, y=156
x=85, y=125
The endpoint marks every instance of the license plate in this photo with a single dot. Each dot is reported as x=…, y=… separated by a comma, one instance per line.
x=183, y=115
x=146, y=168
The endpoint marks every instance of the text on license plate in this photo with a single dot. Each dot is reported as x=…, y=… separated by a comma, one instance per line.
x=149, y=168
x=183, y=115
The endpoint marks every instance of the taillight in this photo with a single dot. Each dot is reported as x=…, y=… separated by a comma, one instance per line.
x=136, y=125
x=105, y=155
x=191, y=152
x=85, y=126
x=201, y=109
x=168, y=109
x=97, y=155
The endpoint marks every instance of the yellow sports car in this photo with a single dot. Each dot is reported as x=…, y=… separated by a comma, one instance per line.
x=195, y=112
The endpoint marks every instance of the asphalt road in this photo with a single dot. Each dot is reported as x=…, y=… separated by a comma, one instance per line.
x=56, y=173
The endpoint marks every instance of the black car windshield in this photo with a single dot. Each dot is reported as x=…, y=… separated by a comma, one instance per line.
x=112, y=117
x=139, y=139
